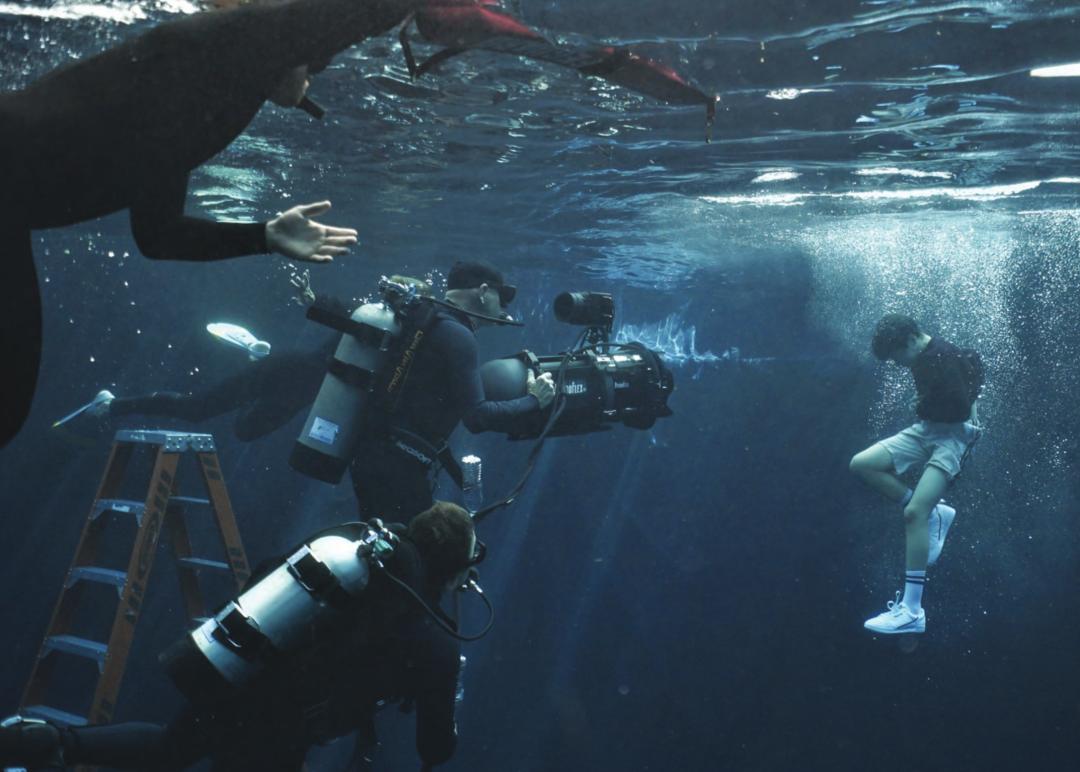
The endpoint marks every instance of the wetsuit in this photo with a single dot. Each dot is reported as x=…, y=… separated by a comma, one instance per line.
x=393, y=475
x=123, y=129
x=266, y=394
x=948, y=380
x=389, y=650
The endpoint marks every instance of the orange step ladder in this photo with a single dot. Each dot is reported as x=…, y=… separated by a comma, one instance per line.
x=161, y=509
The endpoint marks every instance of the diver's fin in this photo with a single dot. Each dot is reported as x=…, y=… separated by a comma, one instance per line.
x=102, y=396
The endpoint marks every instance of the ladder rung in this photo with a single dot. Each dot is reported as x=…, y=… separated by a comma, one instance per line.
x=95, y=574
x=196, y=563
x=81, y=647
x=136, y=508
x=53, y=715
x=190, y=500
x=170, y=442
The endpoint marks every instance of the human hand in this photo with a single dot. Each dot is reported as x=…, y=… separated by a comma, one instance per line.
x=543, y=388
x=297, y=237
x=305, y=295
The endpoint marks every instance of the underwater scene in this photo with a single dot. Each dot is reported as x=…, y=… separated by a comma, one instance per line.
x=715, y=317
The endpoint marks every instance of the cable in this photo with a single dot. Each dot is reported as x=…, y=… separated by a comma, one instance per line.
x=556, y=412
x=439, y=620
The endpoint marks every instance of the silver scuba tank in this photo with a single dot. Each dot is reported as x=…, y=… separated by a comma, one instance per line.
x=274, y=615
x=343, y=408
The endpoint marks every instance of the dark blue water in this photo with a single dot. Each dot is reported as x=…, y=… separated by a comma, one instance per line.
x=689, y=597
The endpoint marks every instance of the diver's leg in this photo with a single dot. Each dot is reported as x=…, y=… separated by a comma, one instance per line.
x=931, y=486
x=928, y=492
x=281, y=385
x=132, y=745
x=127, y=746
x=222, y=397
x=875, y=467
x=20, y=331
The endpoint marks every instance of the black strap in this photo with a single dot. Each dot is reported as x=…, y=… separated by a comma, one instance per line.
x=335, y=319
x=235, y=630
x=443, y=454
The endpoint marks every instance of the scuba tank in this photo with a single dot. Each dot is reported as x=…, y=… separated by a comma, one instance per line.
x=366, y=375
x=341, y=412
x=276, y=614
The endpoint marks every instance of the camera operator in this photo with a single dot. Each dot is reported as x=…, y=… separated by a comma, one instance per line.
x=393, y=469
x=384, y=648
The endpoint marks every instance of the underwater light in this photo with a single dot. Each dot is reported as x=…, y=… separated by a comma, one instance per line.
x=1057, y=71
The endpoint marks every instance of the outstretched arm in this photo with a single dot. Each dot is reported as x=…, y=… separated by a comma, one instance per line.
x=163, y=232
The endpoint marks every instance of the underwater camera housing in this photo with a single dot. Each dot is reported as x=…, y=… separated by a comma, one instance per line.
x=598, y=382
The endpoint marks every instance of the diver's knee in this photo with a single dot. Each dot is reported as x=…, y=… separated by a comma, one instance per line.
x=914, y=513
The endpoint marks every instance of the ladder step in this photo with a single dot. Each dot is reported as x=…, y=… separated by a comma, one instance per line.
x=95, y=574
x=136, y=508
x=80, y=647
x=189, y=500
x=53, y=715
x=197, y=563
x=170, y=442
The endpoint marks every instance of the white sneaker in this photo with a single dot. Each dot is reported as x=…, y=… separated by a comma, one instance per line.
x=941, y=517
x=897, y=618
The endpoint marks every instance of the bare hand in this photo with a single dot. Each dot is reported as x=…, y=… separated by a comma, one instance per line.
x=305, y=295
x=543, y=388
x=297, y=237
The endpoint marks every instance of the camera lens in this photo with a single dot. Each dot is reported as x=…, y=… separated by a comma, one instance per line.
x=590, y=309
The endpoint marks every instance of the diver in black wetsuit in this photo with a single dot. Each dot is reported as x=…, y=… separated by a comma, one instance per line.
x=387, y=649
x=393, y=473
x=266, y=394
x=123, y=129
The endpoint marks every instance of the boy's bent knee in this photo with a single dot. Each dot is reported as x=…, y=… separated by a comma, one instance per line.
x=915, y=513
x=860, y=464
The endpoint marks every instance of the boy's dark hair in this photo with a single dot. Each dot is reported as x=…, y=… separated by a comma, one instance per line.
x=442, y=534
x=893, y=332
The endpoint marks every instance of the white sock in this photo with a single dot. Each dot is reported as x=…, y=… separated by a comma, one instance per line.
x=914, y=581
x=907, y=497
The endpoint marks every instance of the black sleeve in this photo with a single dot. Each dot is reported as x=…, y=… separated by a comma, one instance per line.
x=313, y=31
x=335, y=305
x=463, y=373
x=163, y=232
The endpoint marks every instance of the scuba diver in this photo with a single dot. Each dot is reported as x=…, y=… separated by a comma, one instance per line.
x=372, y=631
x=402, y=447
x=948, y=381
x=123, y=130
x=265, y=394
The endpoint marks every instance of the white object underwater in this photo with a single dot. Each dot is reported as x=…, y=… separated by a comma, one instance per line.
x=1057, y=71
x=235, y=335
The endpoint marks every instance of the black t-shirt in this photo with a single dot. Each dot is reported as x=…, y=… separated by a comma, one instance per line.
x=948, y=380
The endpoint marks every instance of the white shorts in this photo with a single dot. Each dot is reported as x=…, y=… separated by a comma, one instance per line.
x=928, y=443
